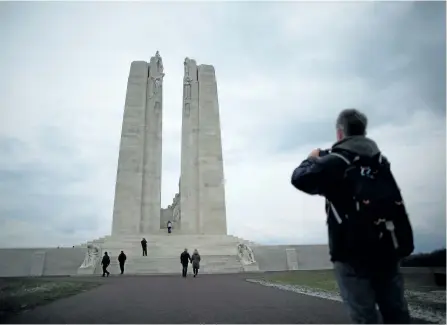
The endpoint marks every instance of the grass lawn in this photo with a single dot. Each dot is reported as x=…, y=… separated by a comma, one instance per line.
x=317, y=279
x=19, y=294
x=324, y=280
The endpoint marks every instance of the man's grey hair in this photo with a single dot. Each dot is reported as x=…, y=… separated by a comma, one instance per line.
x=352, y=122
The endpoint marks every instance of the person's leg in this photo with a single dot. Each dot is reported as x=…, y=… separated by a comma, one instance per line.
x=183, y=271
x=389, y=286
x=357, y=293
x=104, y=270
x=122, y=268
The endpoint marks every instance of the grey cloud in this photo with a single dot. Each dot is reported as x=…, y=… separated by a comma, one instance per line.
x=65, y=68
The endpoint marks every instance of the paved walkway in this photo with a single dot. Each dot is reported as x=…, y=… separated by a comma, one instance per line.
x=172, y=299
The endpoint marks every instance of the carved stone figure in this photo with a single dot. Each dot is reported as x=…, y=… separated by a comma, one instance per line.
x=187, y=109
x=245, y=254
x=185, y=64
x=156, y=84
x=187, y=90
x=159, y=62
x=91, y=257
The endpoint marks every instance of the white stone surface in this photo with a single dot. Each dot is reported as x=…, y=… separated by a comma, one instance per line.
x=22, y=262
x=37, y=263
x=151, y=191
x=292, y=260
x=128, y=188
x=138, y=182
x=189, y=192
x=212, y=208
x=202, y=180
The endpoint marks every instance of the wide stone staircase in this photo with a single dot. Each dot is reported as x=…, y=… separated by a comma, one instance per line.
x=218, y=253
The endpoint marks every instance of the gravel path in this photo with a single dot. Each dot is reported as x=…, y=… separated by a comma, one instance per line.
x=172, y=299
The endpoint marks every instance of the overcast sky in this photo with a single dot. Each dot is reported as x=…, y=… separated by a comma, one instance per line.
x=284, y=71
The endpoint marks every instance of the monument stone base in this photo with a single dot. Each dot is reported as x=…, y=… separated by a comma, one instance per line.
x=219, y=253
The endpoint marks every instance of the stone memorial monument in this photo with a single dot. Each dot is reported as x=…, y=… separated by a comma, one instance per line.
x=198, y=212
x=198, y=209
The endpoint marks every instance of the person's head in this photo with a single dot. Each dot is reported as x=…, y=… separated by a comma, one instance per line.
x=196, y=251
x=186, y=250
x=122, y=252
x=105, y=253
x=351, y=122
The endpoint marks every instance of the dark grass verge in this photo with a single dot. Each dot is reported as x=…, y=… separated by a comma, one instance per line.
x=21, y=294
x=324, y=280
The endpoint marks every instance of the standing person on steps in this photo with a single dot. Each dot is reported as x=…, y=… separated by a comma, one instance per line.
x=144, y=246
x=122, y=259
x=369, y=229
x=195, y=258
x=105, y=264
x=185, y=258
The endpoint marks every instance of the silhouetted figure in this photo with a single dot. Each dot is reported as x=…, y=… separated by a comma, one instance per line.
x=144, y=246
x=169, y=226
x=195, y=260
x=368, y=225
x=105, y=264
x=122, y=259
x=185, y=258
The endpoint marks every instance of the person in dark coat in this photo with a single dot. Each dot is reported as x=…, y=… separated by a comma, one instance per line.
x=169, y=225
x=144, y=246
x=105, y=264
x=365, y=280
x=122, y=259
x=185, y=258
x=195, y=258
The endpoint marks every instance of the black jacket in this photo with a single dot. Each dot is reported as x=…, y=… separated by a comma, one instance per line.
x=323, y=176
x=122, y=258
x=105, y=260
x=185, y=258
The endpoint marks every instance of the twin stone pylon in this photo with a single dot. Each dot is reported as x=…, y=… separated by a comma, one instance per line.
x=138, y=184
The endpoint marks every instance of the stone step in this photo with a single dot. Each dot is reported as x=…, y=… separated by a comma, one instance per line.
x=165, y=238
x=147, y=265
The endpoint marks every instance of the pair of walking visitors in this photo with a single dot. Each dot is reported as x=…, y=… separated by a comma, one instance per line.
x=185, y=259
x=106, y=262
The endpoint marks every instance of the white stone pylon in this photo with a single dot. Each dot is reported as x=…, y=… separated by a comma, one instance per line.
x=138, y=182
x=203, y=209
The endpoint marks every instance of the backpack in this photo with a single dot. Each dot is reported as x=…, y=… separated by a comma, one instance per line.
x=375, y=220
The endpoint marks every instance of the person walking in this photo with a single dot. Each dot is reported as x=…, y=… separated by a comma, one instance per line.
x=105, y=264
x=368, y=226
x=144, y=246
x=195, y=260
x=185, y=258
x=169, y=226
x=122, y=259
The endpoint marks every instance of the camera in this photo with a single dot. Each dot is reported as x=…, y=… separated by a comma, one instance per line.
x=324, y=152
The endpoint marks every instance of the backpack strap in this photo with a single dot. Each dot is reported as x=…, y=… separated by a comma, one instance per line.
x=346, y=160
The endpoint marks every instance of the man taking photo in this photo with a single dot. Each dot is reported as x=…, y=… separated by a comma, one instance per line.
x=369, y=230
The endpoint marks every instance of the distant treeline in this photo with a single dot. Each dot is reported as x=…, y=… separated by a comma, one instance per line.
x=433, y=259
